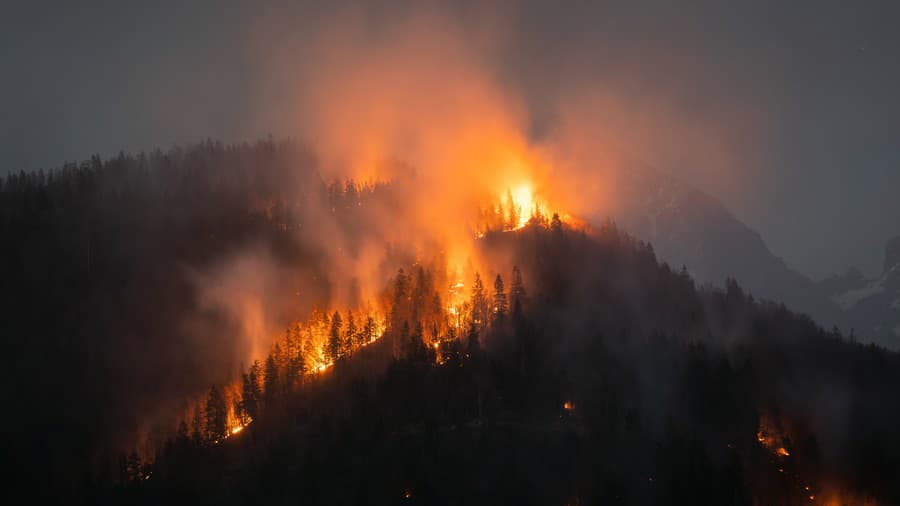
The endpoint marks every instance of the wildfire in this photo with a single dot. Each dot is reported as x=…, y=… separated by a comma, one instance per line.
x=519, y=207
x=522, y=203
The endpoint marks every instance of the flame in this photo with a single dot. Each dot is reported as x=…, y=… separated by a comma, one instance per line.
x=523, y=203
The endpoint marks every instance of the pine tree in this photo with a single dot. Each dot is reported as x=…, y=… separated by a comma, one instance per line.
x=350, y=335
x=197, y=426
x=401, y=284
x=255, y=377
x=556, y=223
x=472, y=344
x=400, y=306
x=370, y=330
x=249, y=398
x=500, y=304
x=517, y=292
x=333, y=346
x=270, y=387
x=479, y=303
x=416, y=351
x=216, y=415
x=280, y=364
x=298, y=367
x=404, y=336
x=513, y=211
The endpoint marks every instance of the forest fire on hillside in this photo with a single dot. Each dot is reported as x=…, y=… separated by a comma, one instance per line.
x=774, y=434
x=436, y=307
x=519, y=207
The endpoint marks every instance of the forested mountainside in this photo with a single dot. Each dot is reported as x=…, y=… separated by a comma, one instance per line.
x=569, y=366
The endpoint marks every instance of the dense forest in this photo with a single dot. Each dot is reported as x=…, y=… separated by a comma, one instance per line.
x=572, y=367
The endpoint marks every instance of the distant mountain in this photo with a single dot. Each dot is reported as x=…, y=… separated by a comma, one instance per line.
x=689, y=227
x=872, y=305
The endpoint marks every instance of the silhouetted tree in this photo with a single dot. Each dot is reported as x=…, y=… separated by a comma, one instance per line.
x=270, y=387
x=351, y=334
x=250, y=395
x=333, y=346
x=216, y=415
x=513, y=212
x=197, y=426
x=416, y=351
x=479, y=303
x=472, y=344
x=556, y=223
x=370, y=329
x=500, y=304
x=517, y=289
x=298, y=367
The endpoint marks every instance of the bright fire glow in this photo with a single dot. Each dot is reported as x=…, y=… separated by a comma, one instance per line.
x=524, y=204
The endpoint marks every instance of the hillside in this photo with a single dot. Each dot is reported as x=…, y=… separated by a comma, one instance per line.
x=872, y=305
x=568, y=367
x=691, y=228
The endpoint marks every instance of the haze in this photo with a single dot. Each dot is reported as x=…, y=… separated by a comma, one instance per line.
x=788, y=114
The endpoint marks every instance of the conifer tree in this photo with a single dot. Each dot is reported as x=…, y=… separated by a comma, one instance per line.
x=255, y=377
x=416, y=351
x=472, y=344
x=216, y=415
x=333, y=346
x=479, y=303
x=249, y=397
x=513, y=221
x=370, y=330
x=556, y=223
x=500, y=307
x=270, y=387
x=350, y=335
x=197, y=426
x=517, y=289
x=298, y=367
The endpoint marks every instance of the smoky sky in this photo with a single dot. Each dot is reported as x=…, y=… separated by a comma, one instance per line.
x=786, y=111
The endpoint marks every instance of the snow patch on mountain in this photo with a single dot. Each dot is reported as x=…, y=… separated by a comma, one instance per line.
x=851, y=298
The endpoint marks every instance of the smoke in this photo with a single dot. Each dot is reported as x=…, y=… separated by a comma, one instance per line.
x=436, y=99
x=430, y=99
x=412, y=100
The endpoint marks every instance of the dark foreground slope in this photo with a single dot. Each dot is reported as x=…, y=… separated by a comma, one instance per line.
x=616, y=382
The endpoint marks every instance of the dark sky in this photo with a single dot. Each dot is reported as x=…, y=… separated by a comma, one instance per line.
x=801, y=97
